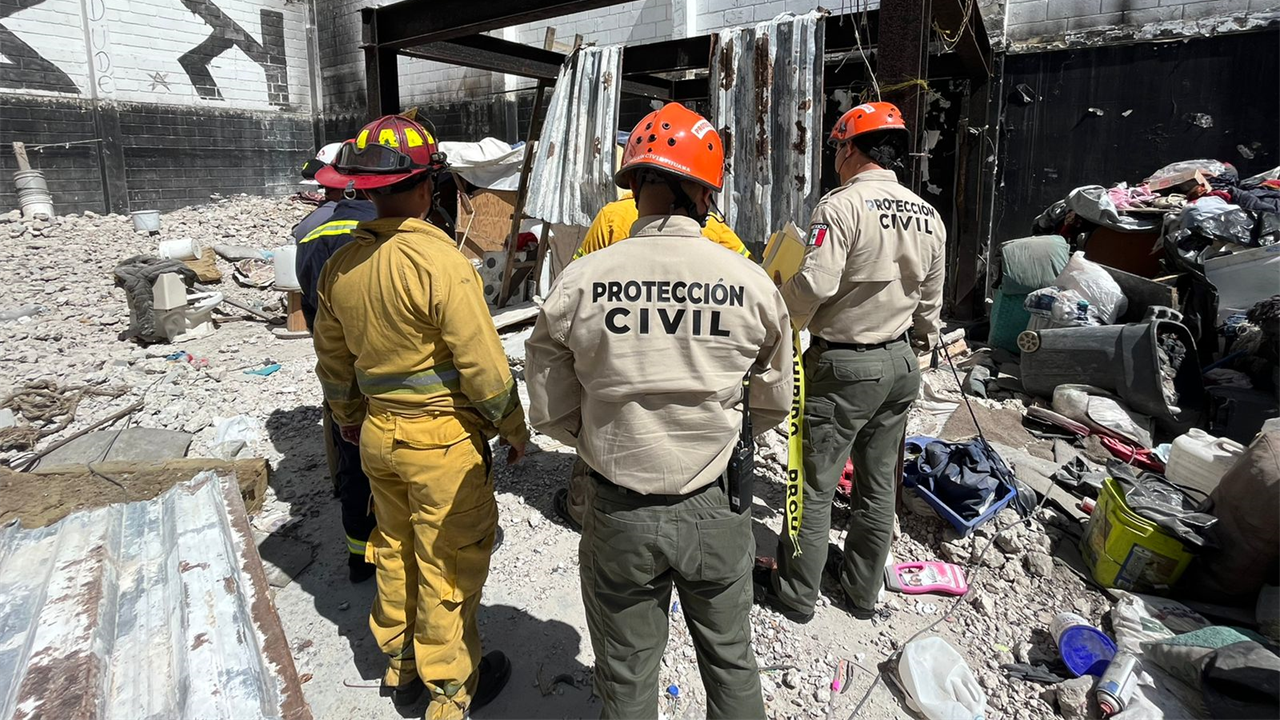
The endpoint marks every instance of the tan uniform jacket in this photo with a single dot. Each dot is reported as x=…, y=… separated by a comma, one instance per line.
x=639, y=352
x=874, y=264
x=402, y=324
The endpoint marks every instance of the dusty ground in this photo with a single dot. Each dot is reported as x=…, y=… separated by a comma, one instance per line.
x=532, y=608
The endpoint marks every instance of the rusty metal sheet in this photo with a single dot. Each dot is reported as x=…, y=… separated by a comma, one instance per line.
x=767, y=104
x=142, y=610
x=573, y=165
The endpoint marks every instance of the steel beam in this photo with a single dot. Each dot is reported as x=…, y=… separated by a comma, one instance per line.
x=669, y=55
x=381, y=73
x=484, y=52
x=413, y=22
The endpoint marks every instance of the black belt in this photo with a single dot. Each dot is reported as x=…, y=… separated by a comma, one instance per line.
x=658, y=499
x=857, y=346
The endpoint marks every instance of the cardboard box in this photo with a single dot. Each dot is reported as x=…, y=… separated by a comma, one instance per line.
x=487, y=224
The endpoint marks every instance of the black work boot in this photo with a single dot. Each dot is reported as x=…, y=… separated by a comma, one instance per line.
x=495, y=671
x=406, y=694
x=358, y=570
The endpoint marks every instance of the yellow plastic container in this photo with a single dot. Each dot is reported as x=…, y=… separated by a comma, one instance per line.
x=1125, y=551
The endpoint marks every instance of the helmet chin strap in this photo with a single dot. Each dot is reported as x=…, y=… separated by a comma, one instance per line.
x=349, y=193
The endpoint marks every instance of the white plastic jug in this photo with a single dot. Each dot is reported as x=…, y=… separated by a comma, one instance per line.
x=1199, y=460
x=939, y=684
x=286, y=273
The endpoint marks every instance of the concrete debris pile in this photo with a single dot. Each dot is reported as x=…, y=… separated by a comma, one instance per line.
x=62, y=314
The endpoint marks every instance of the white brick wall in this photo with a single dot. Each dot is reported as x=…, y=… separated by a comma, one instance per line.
x=134, y=47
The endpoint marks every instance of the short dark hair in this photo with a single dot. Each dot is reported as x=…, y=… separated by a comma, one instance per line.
x=885, y=147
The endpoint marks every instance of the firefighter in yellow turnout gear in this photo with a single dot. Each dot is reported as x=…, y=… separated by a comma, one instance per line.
x=414, y=372
x=613, y=223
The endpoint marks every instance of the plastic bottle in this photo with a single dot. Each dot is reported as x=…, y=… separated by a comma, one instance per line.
x=1082, y=312
x=939, y=683
x=1116, y=687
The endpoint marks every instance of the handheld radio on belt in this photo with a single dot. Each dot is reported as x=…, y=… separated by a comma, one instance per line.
x=741, y=473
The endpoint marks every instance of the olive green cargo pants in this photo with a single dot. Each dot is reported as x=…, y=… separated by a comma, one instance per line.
x=634, y=548
x=856, y=404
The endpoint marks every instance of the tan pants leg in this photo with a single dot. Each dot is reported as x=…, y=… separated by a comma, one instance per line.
x=432, y=551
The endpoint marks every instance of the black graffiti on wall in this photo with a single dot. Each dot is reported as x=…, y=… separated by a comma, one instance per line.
x=23, y=67
x=268, y=54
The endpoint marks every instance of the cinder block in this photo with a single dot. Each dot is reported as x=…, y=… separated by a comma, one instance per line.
x=1155, y=15
x=1128, y=5
x=1094, y=22
x=1214, y=8
x=1059, y=9
x=1027, y=11
x=1046, y=29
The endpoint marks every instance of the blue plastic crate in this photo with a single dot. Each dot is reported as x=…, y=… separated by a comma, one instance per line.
x=1004, y=496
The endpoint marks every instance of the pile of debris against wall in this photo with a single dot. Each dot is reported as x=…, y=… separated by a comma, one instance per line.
x=166, y=495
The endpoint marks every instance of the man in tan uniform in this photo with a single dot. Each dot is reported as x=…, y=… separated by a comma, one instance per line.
x=638, y=360
x=873, y=269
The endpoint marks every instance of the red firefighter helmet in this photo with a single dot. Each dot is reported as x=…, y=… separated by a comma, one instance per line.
x=868, y=117
x=676, y=140
x=388, y=150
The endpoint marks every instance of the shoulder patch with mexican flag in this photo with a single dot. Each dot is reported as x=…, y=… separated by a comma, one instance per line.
x=817, y=234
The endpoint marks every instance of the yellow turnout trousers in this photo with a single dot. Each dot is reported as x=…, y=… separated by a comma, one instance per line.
x=437, y=520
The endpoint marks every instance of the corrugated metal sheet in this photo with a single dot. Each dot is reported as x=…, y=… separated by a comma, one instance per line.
x=573, y=166
x=143, y=610
x=767, y=104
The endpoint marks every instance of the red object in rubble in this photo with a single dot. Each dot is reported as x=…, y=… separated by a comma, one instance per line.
x=1142, y=458
x=526, y=240
x=845, y=487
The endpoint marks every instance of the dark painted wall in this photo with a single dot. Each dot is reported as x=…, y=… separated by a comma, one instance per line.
x=1054, y=143
x=172, y=155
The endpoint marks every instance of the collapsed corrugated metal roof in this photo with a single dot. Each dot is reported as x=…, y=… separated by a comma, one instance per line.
x=767, y=104
x=573, y=166
x=156, y=609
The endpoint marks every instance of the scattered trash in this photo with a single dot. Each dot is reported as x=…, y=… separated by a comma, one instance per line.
x=1199, y=460
x=264, y=371
x=926, y=577
x=1097, y=111
x=840, y=680
x=1084, y=649
x=233, y=435
x=1124, y=550
x=1117, y=684
x=938, y=683
x=255, y=272
x=1032, y=673
x=1202, y=120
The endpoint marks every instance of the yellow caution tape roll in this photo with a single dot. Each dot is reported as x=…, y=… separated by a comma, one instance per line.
x=795, y=446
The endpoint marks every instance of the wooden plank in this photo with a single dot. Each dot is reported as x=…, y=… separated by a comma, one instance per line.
x=514, y=315
x=70, y=488
x=522, y=194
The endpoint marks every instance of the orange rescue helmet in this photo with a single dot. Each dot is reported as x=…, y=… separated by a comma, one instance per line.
x=675, y=140
x=387, y=151
x=866, y=118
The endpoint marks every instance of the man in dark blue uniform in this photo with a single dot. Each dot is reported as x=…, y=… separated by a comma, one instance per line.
x=317, y=242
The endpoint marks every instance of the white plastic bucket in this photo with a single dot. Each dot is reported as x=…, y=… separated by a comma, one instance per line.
x=286, y=272
x=147, y=221
x=180, y=249
x=33, y=193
